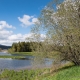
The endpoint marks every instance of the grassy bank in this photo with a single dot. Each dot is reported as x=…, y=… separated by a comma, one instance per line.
x=17, y=55
x=13, y=57
x=20, y=75
x=69, y=73
x=24, y=53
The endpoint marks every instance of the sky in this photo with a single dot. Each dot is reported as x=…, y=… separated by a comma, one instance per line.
x=17, y=17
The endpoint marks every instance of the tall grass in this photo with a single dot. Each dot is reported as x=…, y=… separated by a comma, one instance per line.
x=21, y=75
x=72, y=73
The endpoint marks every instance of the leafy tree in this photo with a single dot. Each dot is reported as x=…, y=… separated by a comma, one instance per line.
x=19, y=47
x=14, y=47
x=62, y=26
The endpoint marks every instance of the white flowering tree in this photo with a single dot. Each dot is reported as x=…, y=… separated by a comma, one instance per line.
x=61, y=23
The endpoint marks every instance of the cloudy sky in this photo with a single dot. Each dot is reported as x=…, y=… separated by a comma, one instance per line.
x=17, y=17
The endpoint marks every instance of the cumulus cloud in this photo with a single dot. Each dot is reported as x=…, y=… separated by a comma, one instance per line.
x=9, y=39
x=4, y=24
x=7, y=36
x=15, y=37
x=4, y=34
x=27, y=20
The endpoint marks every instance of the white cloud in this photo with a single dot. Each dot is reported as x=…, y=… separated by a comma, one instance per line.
x=4, y=34
x=15, y=37
x=27, y=20
x=34, y=20
x=4, y=24
x=7, y=36
x=10, y=38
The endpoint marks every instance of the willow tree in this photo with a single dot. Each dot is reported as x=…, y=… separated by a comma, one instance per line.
x=61, y=22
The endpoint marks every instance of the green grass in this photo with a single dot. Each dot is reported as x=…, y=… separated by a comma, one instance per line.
x=13, y=57
x=68, y=73
x=72, y=73
x=21, y=55
x=20, y=75
x=24, y=53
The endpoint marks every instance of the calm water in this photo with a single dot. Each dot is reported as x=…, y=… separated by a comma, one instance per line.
x=21, y=64
x=4, y=53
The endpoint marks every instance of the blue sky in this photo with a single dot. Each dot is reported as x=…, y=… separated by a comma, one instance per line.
x=17, y=17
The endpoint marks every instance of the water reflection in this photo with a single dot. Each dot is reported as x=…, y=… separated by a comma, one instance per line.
x=14, y=64
x=9, y=63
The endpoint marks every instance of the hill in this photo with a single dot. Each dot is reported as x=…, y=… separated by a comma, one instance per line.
x=4, y=47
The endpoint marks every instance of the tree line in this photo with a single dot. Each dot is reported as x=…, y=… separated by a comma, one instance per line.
x=24, y=47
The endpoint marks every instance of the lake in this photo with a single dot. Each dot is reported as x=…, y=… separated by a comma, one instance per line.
x=9, y=63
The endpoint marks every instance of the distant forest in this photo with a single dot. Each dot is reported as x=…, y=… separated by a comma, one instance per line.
x=24, y=47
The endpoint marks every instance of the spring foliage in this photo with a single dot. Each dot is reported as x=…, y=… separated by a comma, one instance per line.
x=62, y=26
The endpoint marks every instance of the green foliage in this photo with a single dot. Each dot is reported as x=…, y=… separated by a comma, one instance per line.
x=24, y=47
x=20, y=47
x=69, y=73
x=72, y=73
x=21, y=75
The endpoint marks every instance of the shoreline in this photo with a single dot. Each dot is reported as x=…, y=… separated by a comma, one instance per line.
x=28, y=68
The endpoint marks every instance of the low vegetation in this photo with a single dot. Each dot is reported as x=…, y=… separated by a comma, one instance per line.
x=13, y=57
x=18, y=55
x=23, y=53
x=21, y=75
x=66, y=73
x=70, y=73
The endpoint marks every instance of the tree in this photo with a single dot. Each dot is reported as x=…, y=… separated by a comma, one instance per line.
x=14, y=47
x=62, y=25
